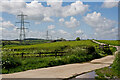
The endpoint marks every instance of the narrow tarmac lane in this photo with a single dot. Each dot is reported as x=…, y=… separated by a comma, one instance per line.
x=64, y=71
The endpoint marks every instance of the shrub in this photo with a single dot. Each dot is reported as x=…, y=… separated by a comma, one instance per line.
x=56, y=62
x=113, y=49
x=107, y=51
x=73, y=59
x=90, y=50
x=10, y=62
x=77, y=39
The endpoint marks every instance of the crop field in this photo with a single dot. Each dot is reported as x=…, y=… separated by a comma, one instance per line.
x=68, y=51
x=111, y=42
x=47, y=47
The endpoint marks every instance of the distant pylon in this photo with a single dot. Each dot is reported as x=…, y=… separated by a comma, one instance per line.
x=47, y=38
x=22, y=28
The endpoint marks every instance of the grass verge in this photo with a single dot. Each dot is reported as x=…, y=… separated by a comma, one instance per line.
x=112, y=72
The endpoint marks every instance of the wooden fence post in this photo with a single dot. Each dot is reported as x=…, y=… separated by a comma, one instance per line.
x=22, y=54
x=13, y=55
x=55, y=54
x=40, y=54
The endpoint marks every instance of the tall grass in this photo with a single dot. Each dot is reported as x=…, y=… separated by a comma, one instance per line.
x=116, y=64
x=108, y=73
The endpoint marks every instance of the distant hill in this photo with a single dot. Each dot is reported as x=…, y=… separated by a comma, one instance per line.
x=33, y=39
x=25, y=39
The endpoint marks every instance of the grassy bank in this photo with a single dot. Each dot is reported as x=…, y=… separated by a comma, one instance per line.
x=112, y=72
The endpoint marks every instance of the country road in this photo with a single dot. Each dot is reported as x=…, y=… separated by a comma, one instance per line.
x=63, y=71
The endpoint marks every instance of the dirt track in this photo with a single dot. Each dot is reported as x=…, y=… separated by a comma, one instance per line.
x=64, y=71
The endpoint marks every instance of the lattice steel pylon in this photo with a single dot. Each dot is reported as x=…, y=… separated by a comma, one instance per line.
x=22, y=28
x=47, y=36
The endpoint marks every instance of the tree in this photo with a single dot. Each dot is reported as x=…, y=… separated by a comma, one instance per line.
x=62, y=39
x=77, y=39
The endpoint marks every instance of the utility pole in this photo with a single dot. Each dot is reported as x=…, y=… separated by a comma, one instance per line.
x=22, y=28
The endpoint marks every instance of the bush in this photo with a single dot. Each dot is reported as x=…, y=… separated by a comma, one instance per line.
x=77, y=39
x=107, y=51
x=90, y=50
x=10, y=62
x=56, y=62
x=113, y=49
x=73, y=59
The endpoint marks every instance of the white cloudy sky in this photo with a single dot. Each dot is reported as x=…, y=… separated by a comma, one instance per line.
x=67, y=20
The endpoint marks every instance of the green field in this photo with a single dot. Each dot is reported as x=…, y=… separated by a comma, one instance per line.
x=111, y=42
x=26, y=42
x=48, y=47
x=76, y=51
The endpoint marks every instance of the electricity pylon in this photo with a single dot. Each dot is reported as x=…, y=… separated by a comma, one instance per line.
x=47, y=36
x=22, y=28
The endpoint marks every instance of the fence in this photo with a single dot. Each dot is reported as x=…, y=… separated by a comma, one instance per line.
x=40, y=54
x=103, y=46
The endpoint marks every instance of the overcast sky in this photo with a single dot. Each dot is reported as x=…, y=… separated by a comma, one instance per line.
x=98, y=20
